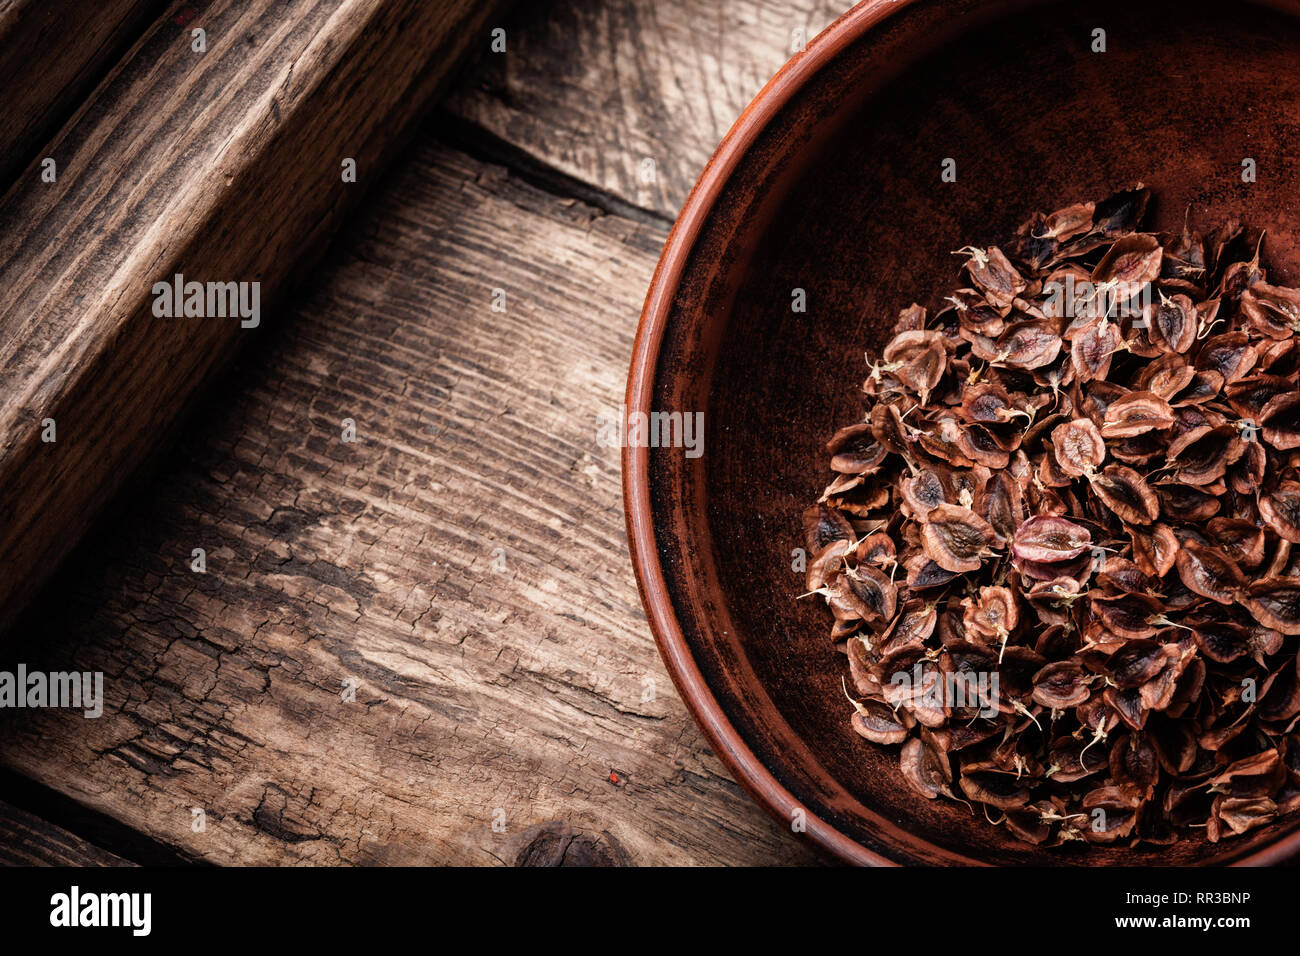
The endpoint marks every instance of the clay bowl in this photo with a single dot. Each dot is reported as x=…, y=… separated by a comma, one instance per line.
x=830, y=182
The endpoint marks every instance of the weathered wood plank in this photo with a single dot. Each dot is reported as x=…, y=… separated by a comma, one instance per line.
x=52, y=53
x=463, y=562
x=634, y=95
x=222, y=164
x=27, y=840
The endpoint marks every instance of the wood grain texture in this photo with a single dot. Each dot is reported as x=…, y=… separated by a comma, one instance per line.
x=463, y=562
x=52, y=53
x=27, y=840
x=596, y=88
x=223, y=165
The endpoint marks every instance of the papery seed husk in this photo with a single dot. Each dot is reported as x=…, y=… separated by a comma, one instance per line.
x=1173, y=327
x=1280, y=510
x=1093, y=349
x=879, y=724
x=1125, y=493
x=1061, y=685
x=1136, y=414
x=1273, y=310
x=1281, y=420
x=856, y=450
x=1078, y=446
x=997, y=278
x=925, y=771
x=1028, y=345
x=1209, y=573
x=1047, y=539
x=1165, y=377
x=823, y=525
x=1230, y=354
x=956, y=538
x=1275, y=603
x=1134, y=259
x=1099, y=507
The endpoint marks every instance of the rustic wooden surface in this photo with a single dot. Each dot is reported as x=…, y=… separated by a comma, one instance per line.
x=222, y=165
x=462, y=564
x=602, y=89
x=28, y=840
x=52, y=53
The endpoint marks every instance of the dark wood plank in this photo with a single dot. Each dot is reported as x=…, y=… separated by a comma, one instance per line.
x=463, y=562
x=596, y=88
x=52, y=53
x=27, y=840
x=224, y=166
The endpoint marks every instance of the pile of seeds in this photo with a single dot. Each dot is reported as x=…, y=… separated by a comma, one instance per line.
x=1060, y=549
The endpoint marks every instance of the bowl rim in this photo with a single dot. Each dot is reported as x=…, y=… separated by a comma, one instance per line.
x=692, y=687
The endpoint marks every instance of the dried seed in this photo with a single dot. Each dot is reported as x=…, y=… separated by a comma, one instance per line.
x=1280, y=510
x=1047, y=539
x=1028, y=345
x=956, y=538
x=1209, y=573
x=1242, y=814
x=917, y=360
x=1060, y=685
x=995, y=276
x=1272, y=310
x=855, y=450
x=1136, y=663
x=1203, y=455
x=1068, y=222
x=925, y=770
x=1275, y=603
x=1186, y=504
x=1093, y=349
x=993, y=615
x=1109, y=529
x=877, y=722
x=1079, y=447
x=1230, y=354
x=1165, y=377
x=1241, y=539
x=1280, y=419
x=1000, y=790
x=1248, y=396
x=923, y=572
x=1173, y=326
x=1133, y=259
x=1135, y=414
x=823, y=525
x=1221, y=641
x=1123, y=491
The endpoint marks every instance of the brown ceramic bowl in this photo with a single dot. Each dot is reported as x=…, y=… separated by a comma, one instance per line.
x=830, y=182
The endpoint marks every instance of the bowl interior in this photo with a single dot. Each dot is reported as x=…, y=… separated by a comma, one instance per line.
x=840, y=195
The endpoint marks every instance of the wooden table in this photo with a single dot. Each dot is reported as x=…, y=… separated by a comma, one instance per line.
x=424, y=645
